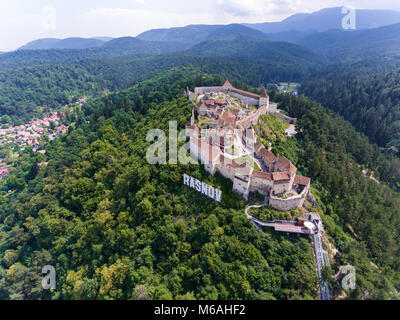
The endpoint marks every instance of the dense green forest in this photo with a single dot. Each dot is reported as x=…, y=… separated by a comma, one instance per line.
x=118, y=228
x=370, y=100
x=50, y=84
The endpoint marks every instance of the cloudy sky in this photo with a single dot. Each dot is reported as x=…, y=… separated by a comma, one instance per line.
x=22, y=21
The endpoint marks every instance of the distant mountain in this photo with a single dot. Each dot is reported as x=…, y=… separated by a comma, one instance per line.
x=258, y=49
x=340, y=44
x=40, y=44
x=104, y=39
x=194, y=34
x=69, y=43
x=113, y=48
x=137, y=46
x=327, y=19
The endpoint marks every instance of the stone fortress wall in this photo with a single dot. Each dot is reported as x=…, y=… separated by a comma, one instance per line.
x=245, y=100
x=280, y=185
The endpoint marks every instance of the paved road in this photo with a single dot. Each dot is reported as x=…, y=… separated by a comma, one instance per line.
x=249, y=207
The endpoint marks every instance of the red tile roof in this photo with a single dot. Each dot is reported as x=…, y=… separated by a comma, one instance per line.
x=227, y=118
x=261, y=175
x=258, y=146
x=283, y=164
x=263, y=93
x=246, y=93
x=281, y=176
x=227, y=84
x=266, y=155
x=302, y=181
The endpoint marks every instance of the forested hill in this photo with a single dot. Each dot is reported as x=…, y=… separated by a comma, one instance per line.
x=116, y=227
x=68, y=43
x=25, y=86
x=370, y=100
x=194, y=34
x=252, y=48
x=342, y=45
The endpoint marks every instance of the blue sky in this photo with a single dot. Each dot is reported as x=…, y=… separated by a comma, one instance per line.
x=22, y=21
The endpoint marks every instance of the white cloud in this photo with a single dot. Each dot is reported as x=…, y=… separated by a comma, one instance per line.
x=49, y=18
x=113, y=21
x=256, y=7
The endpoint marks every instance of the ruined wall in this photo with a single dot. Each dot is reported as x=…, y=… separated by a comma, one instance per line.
x=244, y=99
x=210, y=168
x=289, y=204
x=260, y=185
x=264, y=102
x=241, y=187
x=227, y=171
x=285, y=118
x=286, y=204
x=273, y=107
x=280, y=188
x=205, y=90
x=202, y=110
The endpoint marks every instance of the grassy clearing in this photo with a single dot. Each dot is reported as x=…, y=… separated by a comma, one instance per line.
x=272, y=128
x=249, y=161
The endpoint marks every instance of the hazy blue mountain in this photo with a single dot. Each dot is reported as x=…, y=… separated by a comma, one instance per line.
x=104, y=39
x=47, y=43
x=113, y=48
x=194, y=34
x=340, y=44
x=68, y=43
x=327, y=19
x=258, y=49
x=135, y=45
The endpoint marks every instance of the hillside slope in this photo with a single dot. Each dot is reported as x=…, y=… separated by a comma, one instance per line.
x=116, y=227
x=119, y=228
x=252, y=48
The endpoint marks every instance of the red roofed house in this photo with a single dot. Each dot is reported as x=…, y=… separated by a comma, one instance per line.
x=227, y=119
x=3, y=173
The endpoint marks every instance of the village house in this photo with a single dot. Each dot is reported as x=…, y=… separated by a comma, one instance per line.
x=4, y=173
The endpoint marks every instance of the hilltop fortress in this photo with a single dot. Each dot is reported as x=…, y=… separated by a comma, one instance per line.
x=222, y=137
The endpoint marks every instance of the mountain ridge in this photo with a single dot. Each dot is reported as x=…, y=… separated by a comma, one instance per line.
x=67, y=43
x=194, y=34
x=327, y=19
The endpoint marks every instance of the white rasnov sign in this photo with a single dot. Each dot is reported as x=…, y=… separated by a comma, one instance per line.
x=202, y=187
